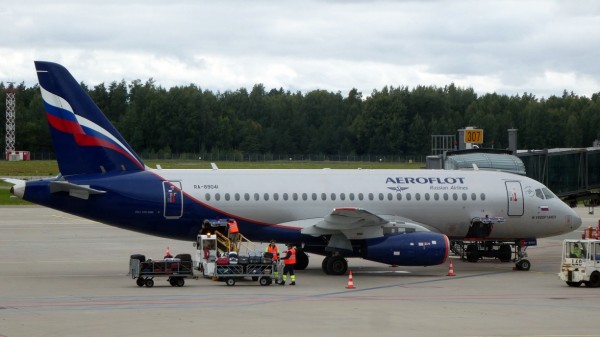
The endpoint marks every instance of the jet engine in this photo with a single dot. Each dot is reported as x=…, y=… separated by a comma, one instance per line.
x=409, y=249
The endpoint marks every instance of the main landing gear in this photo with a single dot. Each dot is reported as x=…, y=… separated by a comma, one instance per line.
x=335, y=265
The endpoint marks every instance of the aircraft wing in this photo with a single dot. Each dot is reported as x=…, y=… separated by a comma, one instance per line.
x=357, y=223
x=13, y=181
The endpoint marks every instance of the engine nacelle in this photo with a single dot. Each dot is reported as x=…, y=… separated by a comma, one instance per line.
x=409, y=249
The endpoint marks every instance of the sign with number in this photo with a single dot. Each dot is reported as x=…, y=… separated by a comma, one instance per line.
x=474, y=136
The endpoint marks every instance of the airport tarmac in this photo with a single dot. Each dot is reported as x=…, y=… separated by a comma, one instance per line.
x=61, y=275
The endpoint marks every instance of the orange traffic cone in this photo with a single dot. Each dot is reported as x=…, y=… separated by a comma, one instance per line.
x=451, y=270
x=350, y=281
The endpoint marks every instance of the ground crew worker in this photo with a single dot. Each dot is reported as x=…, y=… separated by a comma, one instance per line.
x=234, y=233
x=272, y=248
x=575, y=251
x=289, y=261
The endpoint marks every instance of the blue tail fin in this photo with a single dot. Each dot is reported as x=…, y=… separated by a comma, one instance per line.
x=84, y=140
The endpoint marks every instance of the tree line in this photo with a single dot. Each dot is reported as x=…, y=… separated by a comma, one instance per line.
x=389, y=121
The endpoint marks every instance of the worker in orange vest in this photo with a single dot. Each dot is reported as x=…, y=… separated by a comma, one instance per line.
x=289, y=261
x=272, y=248
x=234, y=232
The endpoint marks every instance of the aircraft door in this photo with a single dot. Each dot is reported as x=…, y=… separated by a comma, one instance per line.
x=514, y=193
x=173, y=199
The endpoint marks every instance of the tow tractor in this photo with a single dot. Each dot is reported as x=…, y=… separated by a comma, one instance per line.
x=581, y=259
x=229, y=261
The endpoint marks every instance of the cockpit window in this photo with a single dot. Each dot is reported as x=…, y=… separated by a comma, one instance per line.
x=539, y=193
x=548, y=194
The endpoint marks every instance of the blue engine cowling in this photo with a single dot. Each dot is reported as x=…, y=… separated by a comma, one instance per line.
x=410, y=249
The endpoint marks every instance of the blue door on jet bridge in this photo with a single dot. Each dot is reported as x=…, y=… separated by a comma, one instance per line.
x=514, y=193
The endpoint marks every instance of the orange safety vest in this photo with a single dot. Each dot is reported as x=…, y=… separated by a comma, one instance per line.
x=292, y=258
x=233, y=228
x=274, y=251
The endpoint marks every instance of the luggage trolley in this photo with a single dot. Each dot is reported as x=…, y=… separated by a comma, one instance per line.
x=176, y=270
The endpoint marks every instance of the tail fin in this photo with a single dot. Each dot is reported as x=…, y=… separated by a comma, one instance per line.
x=84, y=140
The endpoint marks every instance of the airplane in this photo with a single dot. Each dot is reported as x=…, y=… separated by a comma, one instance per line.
x=396, y=217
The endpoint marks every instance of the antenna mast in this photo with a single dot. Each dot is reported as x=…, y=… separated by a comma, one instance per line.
x=10, y=119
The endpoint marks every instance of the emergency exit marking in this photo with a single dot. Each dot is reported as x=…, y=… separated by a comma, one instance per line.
x=474, y=136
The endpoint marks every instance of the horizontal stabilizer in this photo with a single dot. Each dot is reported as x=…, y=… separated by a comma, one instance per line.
x=74, y=190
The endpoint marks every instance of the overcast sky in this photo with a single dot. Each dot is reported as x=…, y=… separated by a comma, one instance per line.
x=508, y=47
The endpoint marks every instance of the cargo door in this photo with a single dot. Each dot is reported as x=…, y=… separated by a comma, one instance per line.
x=173, y=199
x=514, y=193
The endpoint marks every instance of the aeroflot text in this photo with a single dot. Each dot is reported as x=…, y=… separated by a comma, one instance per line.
x=424, y=180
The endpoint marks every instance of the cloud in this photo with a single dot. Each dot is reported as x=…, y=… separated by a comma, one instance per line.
x=510, y=47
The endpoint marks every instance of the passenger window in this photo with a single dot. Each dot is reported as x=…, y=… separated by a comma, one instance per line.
x=207, y=196
x=371, y=196
x=381, y=197
x=390, y=197
x=295, y=196
x=446, y=196
x=304, y=196
x=464, y=196
x=285, y=196
x=436, y=196
x=351, y=196
x=266, y=196
x=360, y=196
x=217, y=197
x=246, y=196
x=408, y=197
x=227, y=196
x=454, y=196
x=332, y=196
x=342, y=196
x=323, y=196
x=399, y=196
x=237, y=197
x=473, y=196
x=314, y=196
x=418, y=196
x=482, y=196
x=256, y=196
x=276, y=196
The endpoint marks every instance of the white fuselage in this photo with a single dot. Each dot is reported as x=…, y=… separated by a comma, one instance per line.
x=446, y=201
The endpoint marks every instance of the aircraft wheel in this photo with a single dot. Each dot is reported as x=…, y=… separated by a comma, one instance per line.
x=149, y=283
x=324, y=264
x=140, y=282
x=179, y=282
x=472, y=253
x=594, y=281
x=524, y=265
x=574, y=284
x=301, y=260
x=337, y=265
x=230, y=282
x=505, y=253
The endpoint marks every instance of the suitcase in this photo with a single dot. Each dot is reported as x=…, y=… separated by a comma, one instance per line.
x=243, y=260
x=254, y=259
x=268, y=254
x=267, y=260
x=222, y=261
